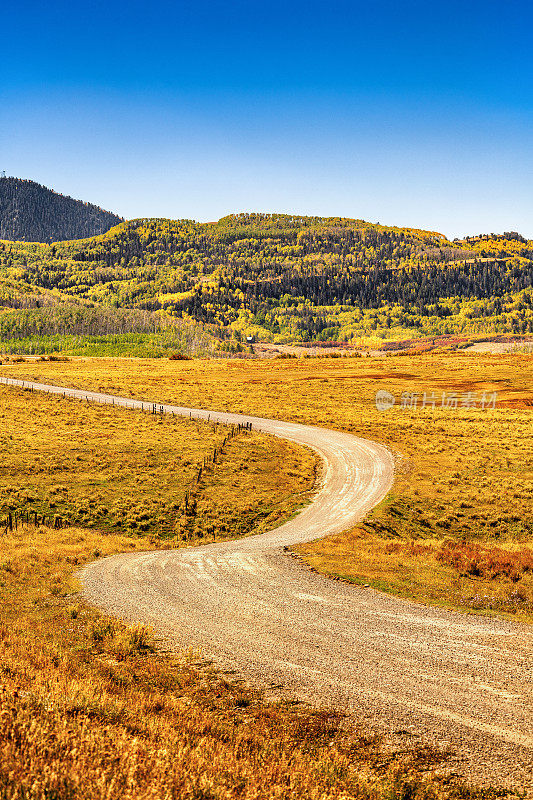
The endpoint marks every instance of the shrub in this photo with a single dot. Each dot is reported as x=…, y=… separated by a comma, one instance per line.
x=470, y=558
x=101, y=629
x=136, y=640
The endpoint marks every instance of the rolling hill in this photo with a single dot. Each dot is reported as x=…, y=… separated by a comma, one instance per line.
x=278, y=277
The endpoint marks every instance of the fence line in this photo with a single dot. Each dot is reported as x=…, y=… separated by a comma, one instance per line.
x=12, y=521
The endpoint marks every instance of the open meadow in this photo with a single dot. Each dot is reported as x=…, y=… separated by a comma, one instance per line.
x=91, y=710
x=457, y=529
x=108, y=468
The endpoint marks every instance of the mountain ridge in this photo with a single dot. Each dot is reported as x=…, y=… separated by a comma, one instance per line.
x=275, y=277
x=282, y=277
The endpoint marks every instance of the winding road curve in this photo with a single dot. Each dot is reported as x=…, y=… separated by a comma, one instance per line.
x=404, y=668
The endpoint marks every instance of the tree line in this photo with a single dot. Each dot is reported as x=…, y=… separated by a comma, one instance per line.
x=307, y=277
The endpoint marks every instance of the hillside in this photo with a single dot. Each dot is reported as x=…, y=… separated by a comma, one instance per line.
x=30, y=212
x=277, y=277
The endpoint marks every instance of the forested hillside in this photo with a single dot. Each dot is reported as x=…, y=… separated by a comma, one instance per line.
x=30, y=212
x=278, y=277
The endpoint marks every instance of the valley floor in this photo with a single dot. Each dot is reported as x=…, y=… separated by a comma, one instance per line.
x=447, y=488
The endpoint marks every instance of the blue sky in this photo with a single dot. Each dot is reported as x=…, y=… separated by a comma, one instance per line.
x=408, y=113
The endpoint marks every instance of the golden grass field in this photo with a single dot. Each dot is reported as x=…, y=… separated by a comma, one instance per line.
x=88, y=708
x=90, y=711
x=119, y=470
x=464, y=485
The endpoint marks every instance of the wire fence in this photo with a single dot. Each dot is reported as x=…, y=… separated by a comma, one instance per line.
x=188, y=506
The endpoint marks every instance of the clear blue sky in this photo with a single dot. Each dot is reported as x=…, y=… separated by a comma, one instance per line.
x=412, y=112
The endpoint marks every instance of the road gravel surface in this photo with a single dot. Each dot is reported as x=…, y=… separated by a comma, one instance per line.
x=412, y=672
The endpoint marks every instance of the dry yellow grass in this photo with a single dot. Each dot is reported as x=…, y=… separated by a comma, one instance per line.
x=118, y=470
x=89, y=711
x=461, y=474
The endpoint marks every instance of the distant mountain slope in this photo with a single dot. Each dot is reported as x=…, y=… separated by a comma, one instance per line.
x=283, y=277
x=30, y=212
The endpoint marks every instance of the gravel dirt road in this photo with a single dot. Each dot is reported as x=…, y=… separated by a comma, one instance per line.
x=410, y=671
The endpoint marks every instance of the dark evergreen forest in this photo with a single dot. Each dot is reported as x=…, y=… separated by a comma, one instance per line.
x=30, y=212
